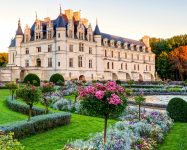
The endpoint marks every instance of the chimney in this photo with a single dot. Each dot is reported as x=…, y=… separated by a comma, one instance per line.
x=69, y=13
x=77, y=15
x=145, y=40
x=85, y=22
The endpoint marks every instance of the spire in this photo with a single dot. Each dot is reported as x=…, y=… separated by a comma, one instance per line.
x=97, y=31
x=60, y=9
x=36, y=15
x=19, y=30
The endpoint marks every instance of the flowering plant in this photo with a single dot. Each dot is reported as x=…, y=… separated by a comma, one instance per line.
x=47, y=89
x=12, y=86
x=103, y=100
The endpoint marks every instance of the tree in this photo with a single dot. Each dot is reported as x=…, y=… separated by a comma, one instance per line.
x=47, y=89
x=178, y=60
x=163, y=65
x=12, y=87
x=139, y=101
x=31, y=95
x=3, y=59
x=103, y=100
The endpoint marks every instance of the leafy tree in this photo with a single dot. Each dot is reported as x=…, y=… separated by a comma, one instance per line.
x=139, y=101
x=163, y=65
x=32, y=79
x=31, y=95
x=178, y=60
x=12, y=87
x=3, y=59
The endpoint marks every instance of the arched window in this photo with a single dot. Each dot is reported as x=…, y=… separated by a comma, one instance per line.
x=126, y=66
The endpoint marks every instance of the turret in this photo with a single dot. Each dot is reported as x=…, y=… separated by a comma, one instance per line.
x=19, y=34
x=97, y=35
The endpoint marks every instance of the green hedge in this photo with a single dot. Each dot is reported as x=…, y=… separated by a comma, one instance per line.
x=177, y=109
x=57, y=79
x=23, y=108
x=32, y=79
x=37, y=124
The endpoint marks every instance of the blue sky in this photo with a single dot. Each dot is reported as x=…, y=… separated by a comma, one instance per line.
x=126, y=18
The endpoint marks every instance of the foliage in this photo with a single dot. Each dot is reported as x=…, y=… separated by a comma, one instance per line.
x=37, y=124
x=103, y=100
x=178, y=60
x=3, y=59
x=118, y=82
x=8, y=143
x=12, y=87
x=23, y=108
x=57, y=79
x=32, y=79
x=31, y=95
x=47, y=89
x=177, y=109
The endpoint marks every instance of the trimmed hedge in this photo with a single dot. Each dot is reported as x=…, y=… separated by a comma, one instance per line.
x=32, y=79
x=57, y=79
x=37, y=124
x=23, y=108
x=177, y=109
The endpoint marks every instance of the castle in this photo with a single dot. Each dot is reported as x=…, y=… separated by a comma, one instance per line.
x=68, y=45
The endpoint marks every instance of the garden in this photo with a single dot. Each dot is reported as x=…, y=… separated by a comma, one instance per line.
x=108, y=115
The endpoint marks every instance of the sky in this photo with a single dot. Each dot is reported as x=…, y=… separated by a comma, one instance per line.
x=126, y=18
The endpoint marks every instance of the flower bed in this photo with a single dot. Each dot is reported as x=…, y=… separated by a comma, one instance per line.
x=129, y=133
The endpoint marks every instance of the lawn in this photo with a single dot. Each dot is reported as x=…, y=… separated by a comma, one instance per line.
x=177, y=138
x=7, y=115
x=70, y=97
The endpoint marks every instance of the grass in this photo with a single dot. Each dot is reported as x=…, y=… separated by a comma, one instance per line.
x=176, y=139
x=70, y=97
x=80, y=128
x=7, y=115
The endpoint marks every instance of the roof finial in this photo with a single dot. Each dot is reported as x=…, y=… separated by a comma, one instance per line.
x=96, y=21
x=19, y=22
x=60, y=9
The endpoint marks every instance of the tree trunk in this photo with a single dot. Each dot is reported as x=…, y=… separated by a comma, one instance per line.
x=105, y=127
x=30, y=112
x=139, y=113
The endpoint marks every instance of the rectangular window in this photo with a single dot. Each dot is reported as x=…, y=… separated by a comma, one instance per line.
x=49, y=48
x=59, y=64
x=27, y=51
x=105, y=53
x=90, y=63
x=26, y=63
x=125, y=55
x=118, y=55
x=112, y=54
x=58, y=35
x=81, y=47
x=90, y=50
x=80, y=61
x=38, y=49
x=58, y=48
x=71, y=48
x=71, y=62
x=49, y=62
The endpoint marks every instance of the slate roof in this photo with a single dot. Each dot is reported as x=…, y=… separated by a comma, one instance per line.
x=19, y=30
x=97, y=31
x=12, y=43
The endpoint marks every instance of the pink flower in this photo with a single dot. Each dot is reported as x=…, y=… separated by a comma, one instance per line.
x=90, y=90
x=111, y=86
x=100, y=86
x=114, y=100
x=99, y=94
x=82, y=92
x=111, y=83
x=120, y=89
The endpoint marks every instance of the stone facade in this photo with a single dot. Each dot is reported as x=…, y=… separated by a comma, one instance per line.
x=69, y=46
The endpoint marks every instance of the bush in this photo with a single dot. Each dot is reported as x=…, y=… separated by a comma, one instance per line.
x=57, y=79
x=37, y=124
x=8, y=143
x=118, y=82
x=23, y=108
x=177, y=109
x=32, y=79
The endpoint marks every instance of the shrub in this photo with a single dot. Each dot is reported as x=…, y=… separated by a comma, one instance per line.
x=32, y=79
x=8, y=143
x=37, y=124
x=177, y=109
x=23, y=108
x=30, y=95
x=57, y=79
x=118, y=82
x=12, y=87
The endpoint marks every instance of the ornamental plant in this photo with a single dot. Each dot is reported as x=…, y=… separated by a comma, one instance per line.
x=12, y=87
x=139, y=101
x=103, y=100
x=47, y=89
x=31, y=95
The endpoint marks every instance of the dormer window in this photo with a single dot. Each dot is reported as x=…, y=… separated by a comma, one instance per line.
x=135, y=47
x=81, y=36
x=112, y=43
x=128, y=46
x=119, y=44
x=90, y=37
x=105, y=42
x=49, y=35
x=70, y=34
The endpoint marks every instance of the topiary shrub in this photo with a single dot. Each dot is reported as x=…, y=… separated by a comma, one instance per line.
x=57, y=79
x=32, y=79
x=177, y=109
